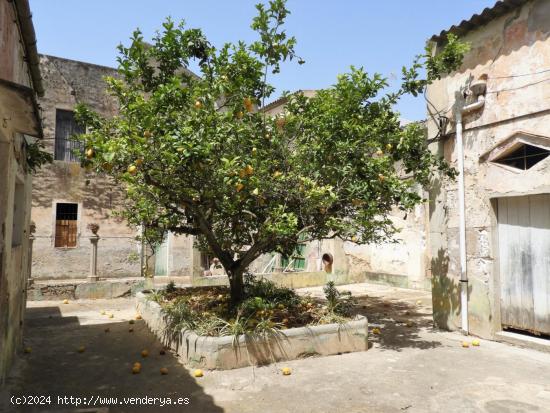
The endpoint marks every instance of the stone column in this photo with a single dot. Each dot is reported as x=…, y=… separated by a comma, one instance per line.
x=32, y=230
x=94, y=238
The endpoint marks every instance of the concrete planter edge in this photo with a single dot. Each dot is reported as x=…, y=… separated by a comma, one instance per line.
x=225, y=353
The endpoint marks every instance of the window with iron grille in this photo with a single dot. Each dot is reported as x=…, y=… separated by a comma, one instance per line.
x=66, y=228
x=66, y=147
x=524, y=157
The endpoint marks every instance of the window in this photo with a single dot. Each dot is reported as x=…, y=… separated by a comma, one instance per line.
x=524, y=157
x=66, y=148
x=297, y=261
x=206, y=260
x=66, y=228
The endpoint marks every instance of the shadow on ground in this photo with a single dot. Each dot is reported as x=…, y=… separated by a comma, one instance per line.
x=55, y=367
x=400, y=323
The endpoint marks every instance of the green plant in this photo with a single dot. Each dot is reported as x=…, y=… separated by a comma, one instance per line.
x=197, y=157
x=338, y=303
x=268, y=290
x=156, y=295
x=37, y=156
x=180, y=316
x=170, y=287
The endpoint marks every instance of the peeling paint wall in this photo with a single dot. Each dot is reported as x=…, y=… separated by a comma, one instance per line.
x=15, y=197
x=68, y=82
x=515, y=44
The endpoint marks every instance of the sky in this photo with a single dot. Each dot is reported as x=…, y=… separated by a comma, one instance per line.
x=332, y=35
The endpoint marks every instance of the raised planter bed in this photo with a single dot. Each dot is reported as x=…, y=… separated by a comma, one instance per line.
x=227, y=353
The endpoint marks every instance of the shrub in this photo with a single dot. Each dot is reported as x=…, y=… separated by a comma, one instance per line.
x=339, y=303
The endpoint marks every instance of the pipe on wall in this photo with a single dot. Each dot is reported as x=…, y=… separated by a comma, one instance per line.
x=477, y=105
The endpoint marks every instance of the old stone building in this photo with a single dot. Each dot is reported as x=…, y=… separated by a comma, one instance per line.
x=20, y=84
x=67, y=197
x=490, y=234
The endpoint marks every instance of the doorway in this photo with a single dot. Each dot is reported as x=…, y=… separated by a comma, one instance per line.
x=524, y=262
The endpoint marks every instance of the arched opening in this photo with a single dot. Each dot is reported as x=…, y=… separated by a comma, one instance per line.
x=327, y=262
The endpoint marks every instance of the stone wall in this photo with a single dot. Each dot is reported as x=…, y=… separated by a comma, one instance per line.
x=15, y=189
x=516, y=43
x=67, y=83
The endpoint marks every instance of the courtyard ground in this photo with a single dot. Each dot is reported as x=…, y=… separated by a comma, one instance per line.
x=410, y=366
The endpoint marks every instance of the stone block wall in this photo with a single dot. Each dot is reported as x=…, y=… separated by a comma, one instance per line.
x=68, y=83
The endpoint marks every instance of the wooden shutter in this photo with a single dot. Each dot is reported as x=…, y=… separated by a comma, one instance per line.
x=66, y=225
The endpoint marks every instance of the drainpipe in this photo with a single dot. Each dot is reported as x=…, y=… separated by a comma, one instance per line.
x=478, y=89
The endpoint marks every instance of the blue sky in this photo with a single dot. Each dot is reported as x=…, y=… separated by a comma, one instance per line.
x=380, y=36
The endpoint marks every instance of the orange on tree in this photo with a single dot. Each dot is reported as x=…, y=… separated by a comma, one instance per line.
x=89, y=153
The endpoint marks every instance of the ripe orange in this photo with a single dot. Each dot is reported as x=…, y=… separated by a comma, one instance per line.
x=138, y=317
x=286, y=371
x=198, y=373
x=163, y=371
x=198, y=104
x=132, y=169
x=144, y=353
x=136, y=370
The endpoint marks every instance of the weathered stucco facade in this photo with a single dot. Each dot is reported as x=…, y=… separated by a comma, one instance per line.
x=20, y=124
x=510, y=45
x=97, y=197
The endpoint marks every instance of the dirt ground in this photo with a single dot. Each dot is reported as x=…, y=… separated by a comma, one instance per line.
x=410, y=366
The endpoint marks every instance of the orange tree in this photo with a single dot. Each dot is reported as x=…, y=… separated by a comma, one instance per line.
x=196, y=156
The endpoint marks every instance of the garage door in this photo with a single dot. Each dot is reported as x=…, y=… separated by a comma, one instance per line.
x=524, y=262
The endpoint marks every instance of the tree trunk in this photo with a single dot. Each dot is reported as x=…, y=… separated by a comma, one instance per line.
x=237, y=286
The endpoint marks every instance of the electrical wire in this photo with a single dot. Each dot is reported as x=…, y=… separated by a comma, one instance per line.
x=520, y=75
x=519, y=87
